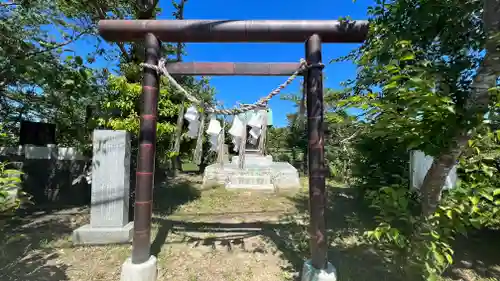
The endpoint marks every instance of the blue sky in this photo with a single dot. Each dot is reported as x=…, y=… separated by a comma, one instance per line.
x=249, y=89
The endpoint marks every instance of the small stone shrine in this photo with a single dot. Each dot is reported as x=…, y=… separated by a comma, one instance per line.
x=252, y=168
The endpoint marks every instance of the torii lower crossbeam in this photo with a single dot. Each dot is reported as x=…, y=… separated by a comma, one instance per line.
x=232, y=69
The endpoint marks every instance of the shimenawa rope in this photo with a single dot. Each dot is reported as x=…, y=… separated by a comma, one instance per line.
x=162, y=69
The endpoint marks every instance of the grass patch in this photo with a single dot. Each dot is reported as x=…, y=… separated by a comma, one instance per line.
x=190, y=167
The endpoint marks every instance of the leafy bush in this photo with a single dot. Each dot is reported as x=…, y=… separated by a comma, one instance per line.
x=380, y=161
x=11, y=195
x=423, y=244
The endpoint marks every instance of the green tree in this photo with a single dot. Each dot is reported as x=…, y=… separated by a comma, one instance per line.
x=427, y=77
x=35, y=83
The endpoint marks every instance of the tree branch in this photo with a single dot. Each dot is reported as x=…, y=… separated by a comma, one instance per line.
x=351, y=137
x=58, y=45
x=180, y=16
x=8, y=4
x=145, y=15
x=102, y=16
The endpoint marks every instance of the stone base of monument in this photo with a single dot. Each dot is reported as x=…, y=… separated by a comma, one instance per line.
x=146, y=271
x=88, y=235
x=259, y=173
x=310, y=273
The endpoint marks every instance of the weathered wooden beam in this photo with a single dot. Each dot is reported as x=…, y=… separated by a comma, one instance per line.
x=141, y=243
x=232, y=69
x=331, y=31
x=316, y=156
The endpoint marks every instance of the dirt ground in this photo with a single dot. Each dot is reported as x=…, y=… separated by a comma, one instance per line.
x=207, y=235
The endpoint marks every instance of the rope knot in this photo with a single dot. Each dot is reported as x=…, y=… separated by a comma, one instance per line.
x=152, y=66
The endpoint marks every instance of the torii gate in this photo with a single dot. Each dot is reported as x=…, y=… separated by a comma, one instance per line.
x=313, y=32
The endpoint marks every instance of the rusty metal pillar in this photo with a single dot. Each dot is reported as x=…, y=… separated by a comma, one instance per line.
x=146, y=158
x=316, y=154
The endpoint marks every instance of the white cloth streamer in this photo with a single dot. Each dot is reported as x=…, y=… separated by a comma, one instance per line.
x=214, y=126
x=214, y=142
x=255, y=132
x=192, y=116
x=237, y=127
x=213, y=130
x=256, y=119
x=236, y=142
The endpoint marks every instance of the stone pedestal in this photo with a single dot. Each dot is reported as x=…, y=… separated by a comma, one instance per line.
x=146, y=271
x=259, y=172
x=110, y=191
x=309, y=273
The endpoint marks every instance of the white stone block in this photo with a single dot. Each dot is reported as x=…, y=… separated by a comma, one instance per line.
x=146, y=271
x=420, y=165
x=309, y=273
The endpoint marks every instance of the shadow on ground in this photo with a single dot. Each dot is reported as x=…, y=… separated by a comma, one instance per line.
x=232, y=235
x=26, y=252
x=167, y=197
x=476, y=256
x=172, y=193
x=347, y=219
x=30, y=243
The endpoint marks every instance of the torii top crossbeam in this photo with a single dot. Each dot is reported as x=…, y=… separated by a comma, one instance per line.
x=330, y=31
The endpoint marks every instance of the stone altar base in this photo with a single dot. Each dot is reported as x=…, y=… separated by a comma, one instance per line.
x=260, y=173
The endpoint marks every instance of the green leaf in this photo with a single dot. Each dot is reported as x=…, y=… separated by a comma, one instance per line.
x=392, y=85
x=417, y=81
x=439, y=257
x=432, y=277
x=487, y=170
x=449, y=214
x=475, y=223
x=407, y=57
x=435, y=235
x=474, y=200
x=68, y=82
x=449, y=258
x=78, y=60
x=487, y=196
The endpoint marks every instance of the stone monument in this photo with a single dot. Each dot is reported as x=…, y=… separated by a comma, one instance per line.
x=110, y=191
x=420, y=163
x=259, y=171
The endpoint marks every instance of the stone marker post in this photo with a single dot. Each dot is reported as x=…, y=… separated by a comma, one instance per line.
x=110, y=191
